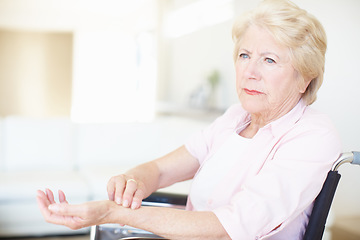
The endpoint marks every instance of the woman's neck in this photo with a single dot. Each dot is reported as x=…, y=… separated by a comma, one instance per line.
x=259, y=120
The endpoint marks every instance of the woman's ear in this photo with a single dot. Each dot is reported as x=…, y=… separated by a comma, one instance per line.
x=303, y=85
x=303, y=82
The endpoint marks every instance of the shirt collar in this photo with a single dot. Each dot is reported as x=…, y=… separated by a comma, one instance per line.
x=283, y=124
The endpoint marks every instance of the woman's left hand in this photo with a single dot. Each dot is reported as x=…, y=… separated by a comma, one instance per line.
x=73, y=216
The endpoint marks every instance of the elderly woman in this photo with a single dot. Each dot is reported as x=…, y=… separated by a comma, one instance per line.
x=258, y=168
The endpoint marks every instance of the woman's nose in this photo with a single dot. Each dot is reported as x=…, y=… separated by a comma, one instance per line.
x=252, y=70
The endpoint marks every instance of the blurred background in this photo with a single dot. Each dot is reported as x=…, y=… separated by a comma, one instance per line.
x=117, y=61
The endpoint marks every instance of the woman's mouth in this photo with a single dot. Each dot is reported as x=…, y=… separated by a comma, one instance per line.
x=252, y=92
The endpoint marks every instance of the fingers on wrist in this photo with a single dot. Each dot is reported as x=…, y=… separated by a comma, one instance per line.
x=124, y=190
x=138, y=196
x=135, y=204
x=116, y=187
x=130, y=189
x=133, y=195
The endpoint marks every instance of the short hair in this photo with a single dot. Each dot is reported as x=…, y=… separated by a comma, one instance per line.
x=296, y=29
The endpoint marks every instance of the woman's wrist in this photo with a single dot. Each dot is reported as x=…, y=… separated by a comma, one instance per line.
x=117, y=213
x=112, y=210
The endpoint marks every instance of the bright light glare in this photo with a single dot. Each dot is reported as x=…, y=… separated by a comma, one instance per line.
x=198, y=15
x=114, y=78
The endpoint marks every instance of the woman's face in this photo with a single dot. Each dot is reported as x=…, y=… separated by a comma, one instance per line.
x=265, y=78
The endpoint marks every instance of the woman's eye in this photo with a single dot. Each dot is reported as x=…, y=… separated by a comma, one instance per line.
x=269, y=60
x=244, y=55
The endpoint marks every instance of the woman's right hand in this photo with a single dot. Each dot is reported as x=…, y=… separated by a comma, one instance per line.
x=126, y=190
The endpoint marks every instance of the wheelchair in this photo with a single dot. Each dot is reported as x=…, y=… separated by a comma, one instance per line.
x=314, y=230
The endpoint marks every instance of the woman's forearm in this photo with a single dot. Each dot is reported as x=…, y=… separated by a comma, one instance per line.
x=177, y=166
x=171, y=223
x=174, y=167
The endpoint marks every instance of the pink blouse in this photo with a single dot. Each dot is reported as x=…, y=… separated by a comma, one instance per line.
x=268, y=191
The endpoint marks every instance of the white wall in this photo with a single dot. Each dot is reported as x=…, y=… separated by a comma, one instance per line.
x=194, y=55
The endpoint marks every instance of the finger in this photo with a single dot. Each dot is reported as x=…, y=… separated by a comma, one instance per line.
x=62, y=197
x=131, y=187
x=52, y=216
x=40, y=194
x=111, y=189
x=83, y=211
x=119, y=189
x=65, y=209
x=50, y=195
x=42, y=199
x=137, y=199
x=43, y=204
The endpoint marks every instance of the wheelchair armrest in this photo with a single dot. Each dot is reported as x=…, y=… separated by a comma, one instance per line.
x=163, y=199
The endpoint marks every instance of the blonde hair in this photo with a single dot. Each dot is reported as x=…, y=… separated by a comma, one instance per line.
x=296, y=29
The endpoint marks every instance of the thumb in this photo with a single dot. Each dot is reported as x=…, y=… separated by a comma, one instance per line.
x=71, y=210
x=55, y=208
x=64, y=209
